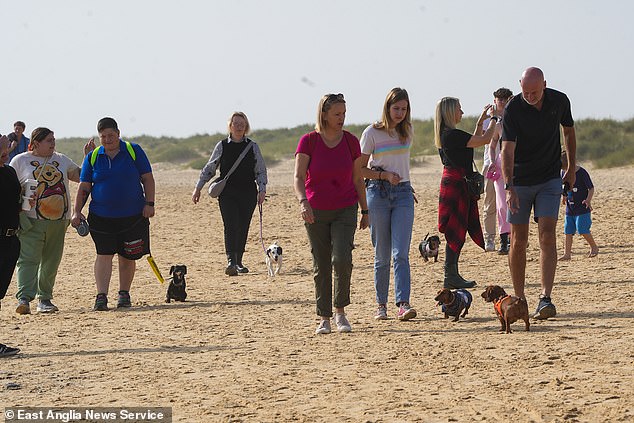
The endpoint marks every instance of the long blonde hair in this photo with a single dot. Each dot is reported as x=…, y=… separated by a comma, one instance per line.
x=445, y=117
x=326, y=102
x=404, y=128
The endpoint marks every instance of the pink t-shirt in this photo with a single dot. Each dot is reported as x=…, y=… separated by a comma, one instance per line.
x=329, y=184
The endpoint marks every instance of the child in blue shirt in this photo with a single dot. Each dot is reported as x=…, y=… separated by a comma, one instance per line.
x=578, y=207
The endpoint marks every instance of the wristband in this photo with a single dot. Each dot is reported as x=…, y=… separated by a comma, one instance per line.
x=149, y=203
x=302, y=200
x=364, y=212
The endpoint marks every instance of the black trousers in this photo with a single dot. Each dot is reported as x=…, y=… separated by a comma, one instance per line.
x=10, y=247
x=237, y=210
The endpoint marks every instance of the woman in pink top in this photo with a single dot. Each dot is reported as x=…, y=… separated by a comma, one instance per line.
x=329, y=187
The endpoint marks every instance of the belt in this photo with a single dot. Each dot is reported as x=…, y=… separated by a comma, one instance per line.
x=388, y=182
x=8, y=232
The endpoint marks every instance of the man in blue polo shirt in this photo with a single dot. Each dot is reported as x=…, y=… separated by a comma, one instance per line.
x=118, y=177
x=531, y=165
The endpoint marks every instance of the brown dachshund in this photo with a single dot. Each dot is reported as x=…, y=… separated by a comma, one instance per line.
x=454, y=302
x=509, y=308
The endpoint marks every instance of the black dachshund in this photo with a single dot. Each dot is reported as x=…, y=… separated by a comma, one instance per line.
x=176, y=290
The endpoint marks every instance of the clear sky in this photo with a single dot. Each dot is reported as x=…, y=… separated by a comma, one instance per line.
x=178, y=68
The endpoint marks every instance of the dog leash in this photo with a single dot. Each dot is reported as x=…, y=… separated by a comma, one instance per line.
x=261, y=237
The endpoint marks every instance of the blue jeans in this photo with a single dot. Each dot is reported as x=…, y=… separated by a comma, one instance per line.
x=391, y=219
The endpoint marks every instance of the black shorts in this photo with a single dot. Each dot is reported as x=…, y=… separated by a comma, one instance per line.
x=127, y=236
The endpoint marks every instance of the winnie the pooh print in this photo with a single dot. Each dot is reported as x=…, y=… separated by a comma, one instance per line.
x=52, y=198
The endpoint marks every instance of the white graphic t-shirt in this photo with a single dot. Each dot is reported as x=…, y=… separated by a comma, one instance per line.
x=51, y=173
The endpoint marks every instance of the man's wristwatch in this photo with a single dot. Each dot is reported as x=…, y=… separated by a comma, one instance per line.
x=508, y=186
x=364, y=212
x=149, y=203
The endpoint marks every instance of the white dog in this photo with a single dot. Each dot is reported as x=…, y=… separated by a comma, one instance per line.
x=274, y=259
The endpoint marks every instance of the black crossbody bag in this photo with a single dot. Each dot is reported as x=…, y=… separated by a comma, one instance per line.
x=474, y=180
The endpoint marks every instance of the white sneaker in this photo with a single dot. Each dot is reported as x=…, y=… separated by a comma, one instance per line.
x=489, y=245
x=46, y=306
x=323, y=328
x=343, y=325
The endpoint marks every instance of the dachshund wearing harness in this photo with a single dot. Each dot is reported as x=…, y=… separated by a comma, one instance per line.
x=454, y=302
x=429, y=247
x=508, y=308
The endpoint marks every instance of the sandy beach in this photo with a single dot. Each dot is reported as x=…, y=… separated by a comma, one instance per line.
x=244, y=349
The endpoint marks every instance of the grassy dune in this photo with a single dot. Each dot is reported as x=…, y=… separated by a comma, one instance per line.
x=605, y=142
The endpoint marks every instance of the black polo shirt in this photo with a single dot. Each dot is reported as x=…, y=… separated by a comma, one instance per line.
x=536, y=134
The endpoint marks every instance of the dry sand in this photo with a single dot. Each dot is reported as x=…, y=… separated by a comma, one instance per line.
x=244, y=349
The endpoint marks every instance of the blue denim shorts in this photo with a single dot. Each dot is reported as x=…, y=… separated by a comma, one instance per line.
x=579, y=224
x=544, y=198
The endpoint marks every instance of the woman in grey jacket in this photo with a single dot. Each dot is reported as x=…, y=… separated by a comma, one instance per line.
x=245, y=187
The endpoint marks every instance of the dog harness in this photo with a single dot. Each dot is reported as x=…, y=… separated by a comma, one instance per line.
x=462, y=300
x=498, y=303
x=429, y=251
x=96, y=151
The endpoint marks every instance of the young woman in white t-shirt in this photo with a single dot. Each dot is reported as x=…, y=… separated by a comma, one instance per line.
x=385, y=151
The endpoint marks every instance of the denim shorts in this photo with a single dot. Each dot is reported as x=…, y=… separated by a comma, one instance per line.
x=544, y=198
x=579, y=224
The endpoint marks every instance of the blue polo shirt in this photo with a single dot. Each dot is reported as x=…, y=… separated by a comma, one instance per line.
x=22, y=147
x=116, y=183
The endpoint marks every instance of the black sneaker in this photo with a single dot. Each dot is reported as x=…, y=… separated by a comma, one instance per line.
x=242, y=269
x=545, y=309
x=6, y=351
x=101, y=303
x=231, y=271
x=124, y=300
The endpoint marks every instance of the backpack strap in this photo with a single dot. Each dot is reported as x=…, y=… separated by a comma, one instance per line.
x=96, y=151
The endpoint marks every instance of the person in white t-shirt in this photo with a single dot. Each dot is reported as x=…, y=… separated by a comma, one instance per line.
x=43, y=228
x=385, y=151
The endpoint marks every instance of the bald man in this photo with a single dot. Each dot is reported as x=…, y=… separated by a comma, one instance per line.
x=531, y=166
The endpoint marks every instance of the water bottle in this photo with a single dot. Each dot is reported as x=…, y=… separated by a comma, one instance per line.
x=83, y=229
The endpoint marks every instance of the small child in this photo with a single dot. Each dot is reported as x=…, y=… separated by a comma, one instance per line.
x=578, y=208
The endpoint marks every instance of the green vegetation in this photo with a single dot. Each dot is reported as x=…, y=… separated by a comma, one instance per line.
x=605, y=142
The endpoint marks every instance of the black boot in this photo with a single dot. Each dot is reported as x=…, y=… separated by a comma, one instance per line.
x=231, y=269
x=465, y=281
x=505, y=244
x=453, y=280
x=239, y=267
